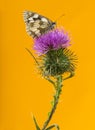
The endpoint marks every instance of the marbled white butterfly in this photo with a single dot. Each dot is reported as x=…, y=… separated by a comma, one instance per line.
x=36, y=24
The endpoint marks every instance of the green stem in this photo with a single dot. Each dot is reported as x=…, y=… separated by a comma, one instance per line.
x=51, y=81
x=55, y=101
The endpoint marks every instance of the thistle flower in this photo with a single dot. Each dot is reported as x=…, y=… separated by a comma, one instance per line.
x=55, y=57
x=52, y=40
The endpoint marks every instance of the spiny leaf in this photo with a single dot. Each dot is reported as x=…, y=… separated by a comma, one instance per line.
x=52, y=126
x=48, y=114
x=37, y=127
x=70, y=75
x=52, y=103
x=32, y=56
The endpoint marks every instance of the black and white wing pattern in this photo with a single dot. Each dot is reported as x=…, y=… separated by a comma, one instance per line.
x=36, y=24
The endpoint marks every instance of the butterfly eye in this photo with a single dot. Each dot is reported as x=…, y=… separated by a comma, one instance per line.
x=54, y=23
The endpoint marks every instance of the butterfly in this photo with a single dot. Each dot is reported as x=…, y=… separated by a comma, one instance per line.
x=36, y=24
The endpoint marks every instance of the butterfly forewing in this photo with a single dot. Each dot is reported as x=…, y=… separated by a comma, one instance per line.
x=36, y=24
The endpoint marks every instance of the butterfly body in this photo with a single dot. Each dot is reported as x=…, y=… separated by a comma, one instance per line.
x=36, y=24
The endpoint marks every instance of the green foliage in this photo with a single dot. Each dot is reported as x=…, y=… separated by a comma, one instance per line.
x=37, y=127
x=52, y=126
x=58, y=62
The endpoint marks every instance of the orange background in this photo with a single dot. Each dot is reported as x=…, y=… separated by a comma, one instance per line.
x=22, y=90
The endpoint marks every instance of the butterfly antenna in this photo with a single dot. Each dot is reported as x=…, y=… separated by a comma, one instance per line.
x=59, y=17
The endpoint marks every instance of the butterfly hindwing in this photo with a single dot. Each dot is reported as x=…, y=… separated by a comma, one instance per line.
x=36, y=24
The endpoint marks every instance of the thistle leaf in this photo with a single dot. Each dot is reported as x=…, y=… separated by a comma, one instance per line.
x=52, y=126
x=32, y=56
x=37, y=127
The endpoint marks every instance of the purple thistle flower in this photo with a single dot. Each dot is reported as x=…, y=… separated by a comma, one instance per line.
x=52, y=40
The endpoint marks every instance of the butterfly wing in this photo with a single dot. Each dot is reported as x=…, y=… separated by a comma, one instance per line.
x=36, y=24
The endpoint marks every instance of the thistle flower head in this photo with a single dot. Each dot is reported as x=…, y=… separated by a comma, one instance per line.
x=55, y=57
x=58, y=62
x=52, y=40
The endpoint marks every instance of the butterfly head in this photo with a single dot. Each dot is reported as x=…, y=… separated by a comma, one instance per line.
x=54, y=24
